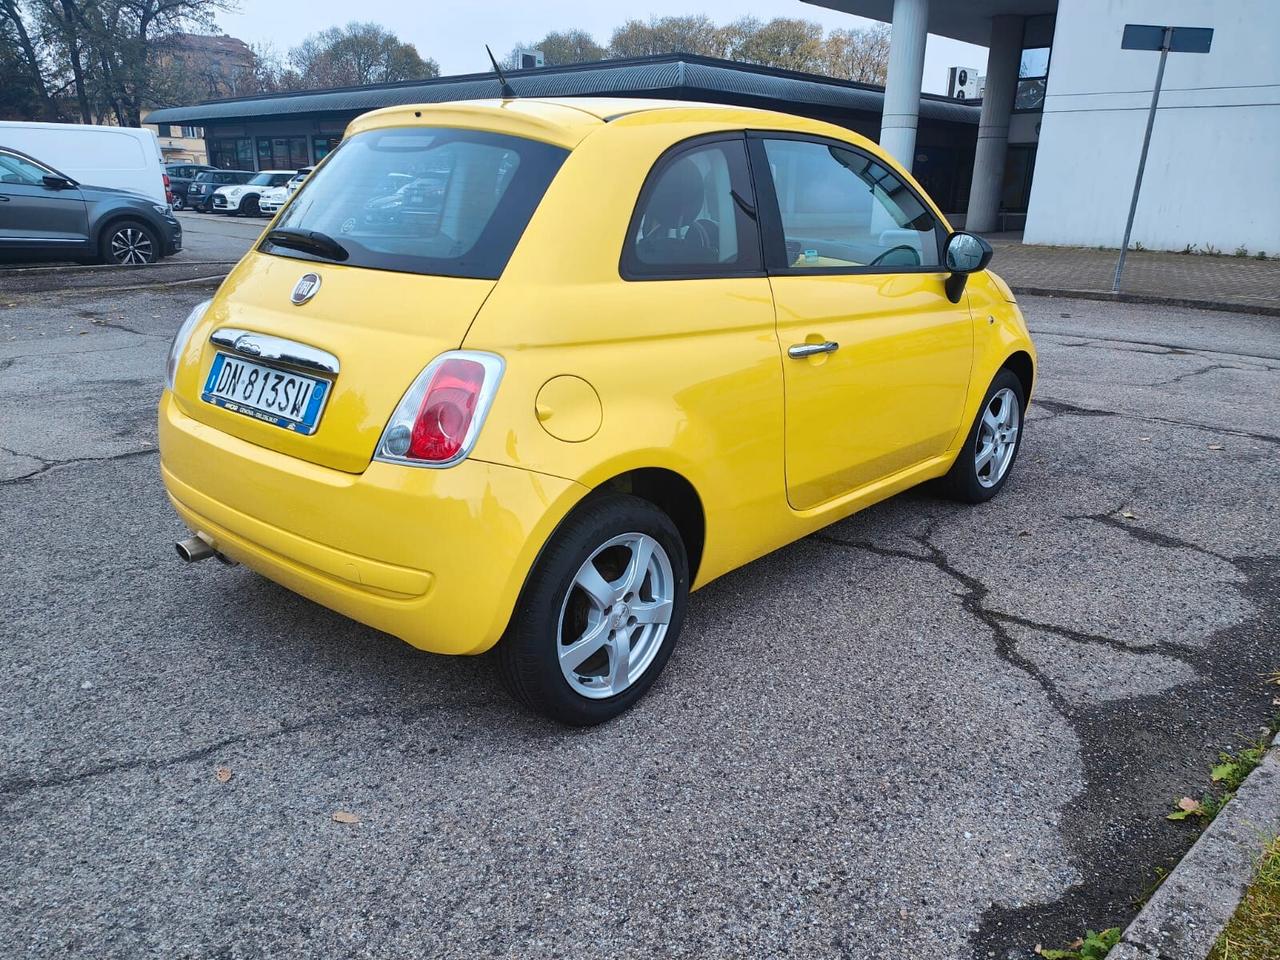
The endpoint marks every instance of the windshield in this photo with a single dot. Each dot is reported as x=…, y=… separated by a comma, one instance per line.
x=424, y=200
x=264, y=179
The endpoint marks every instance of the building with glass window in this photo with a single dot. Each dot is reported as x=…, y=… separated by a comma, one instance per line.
x=287, y=131
x=1065, y=109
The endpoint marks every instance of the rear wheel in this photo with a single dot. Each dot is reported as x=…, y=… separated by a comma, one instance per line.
x=987, y=457
x=179, y=202
x=600, y=613
x=129, y=242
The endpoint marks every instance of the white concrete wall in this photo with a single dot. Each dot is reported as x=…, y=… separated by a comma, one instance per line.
x=1213, y=173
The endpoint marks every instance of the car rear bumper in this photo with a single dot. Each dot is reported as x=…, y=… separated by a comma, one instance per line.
x=435, y=557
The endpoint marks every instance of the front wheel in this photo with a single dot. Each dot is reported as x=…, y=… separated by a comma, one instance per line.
x=249, y=206
x=599, y=614
x=986, y=459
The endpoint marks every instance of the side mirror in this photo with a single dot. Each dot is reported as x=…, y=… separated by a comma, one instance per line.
x=966, y=254
x=57, y=183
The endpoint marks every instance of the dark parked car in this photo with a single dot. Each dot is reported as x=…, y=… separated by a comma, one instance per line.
x=180, y=177
x=200, y=193
x=44, y=213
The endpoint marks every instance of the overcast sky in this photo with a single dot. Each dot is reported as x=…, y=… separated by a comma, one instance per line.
x=454, y=32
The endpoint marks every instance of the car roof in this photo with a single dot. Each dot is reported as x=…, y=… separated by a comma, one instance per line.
x=566, y=121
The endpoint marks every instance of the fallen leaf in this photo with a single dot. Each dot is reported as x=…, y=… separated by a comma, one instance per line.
x=1215, y=446
x=342, y=816
x=1024, y=533
x=1187, y=807
x=222, y=773
x=1129, y=516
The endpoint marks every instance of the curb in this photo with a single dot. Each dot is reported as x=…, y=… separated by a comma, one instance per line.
x=1219, y=305
x=1184, y=917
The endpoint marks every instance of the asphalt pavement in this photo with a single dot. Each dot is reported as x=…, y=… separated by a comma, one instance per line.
x=931, y=731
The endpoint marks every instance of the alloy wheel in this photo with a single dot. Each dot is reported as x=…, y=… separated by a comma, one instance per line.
x=130, y=245
x=997, y=438
x=615, y=615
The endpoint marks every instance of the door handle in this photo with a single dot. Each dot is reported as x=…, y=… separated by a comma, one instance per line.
x=799, y=351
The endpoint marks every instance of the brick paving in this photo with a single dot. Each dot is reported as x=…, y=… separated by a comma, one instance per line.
x=1220, y=282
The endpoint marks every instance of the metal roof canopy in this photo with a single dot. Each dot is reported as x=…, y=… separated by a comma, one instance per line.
x=683, y=73
x=967, y=20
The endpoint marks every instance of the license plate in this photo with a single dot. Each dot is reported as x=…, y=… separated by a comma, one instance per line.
x=293, y=401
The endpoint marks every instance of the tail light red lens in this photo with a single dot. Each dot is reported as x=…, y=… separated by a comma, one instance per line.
x=446, y=411
x=439, y=417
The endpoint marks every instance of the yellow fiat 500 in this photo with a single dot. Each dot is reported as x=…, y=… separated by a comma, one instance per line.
x=527, y=372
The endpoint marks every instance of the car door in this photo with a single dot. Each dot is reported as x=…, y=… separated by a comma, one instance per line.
x=35, y=215
x=876, y=358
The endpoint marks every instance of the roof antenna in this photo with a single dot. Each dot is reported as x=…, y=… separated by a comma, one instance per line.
x=506, y=91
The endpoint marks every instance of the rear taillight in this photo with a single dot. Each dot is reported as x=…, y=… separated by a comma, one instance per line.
x=439, y=418
x=166, y=180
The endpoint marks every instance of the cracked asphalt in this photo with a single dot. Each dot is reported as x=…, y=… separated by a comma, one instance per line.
x=930, y=731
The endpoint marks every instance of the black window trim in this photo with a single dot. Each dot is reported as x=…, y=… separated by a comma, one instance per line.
x=626, y=259
x=770, y=218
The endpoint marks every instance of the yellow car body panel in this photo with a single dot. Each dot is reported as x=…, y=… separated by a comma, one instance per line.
x=603, y=377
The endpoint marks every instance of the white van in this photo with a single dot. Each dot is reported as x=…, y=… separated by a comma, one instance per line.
x=127, y=158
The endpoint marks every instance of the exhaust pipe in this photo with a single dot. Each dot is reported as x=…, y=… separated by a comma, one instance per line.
x=194, y=549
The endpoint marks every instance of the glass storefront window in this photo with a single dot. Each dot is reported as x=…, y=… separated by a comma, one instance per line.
x=231, y=153
x=322, y=146
x=282, y=153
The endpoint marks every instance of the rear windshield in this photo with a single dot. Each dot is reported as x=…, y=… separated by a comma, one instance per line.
x=424, y=200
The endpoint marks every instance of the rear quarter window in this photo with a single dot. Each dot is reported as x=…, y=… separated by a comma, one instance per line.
x=427, y=200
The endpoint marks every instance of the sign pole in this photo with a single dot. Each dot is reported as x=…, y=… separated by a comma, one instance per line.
x=1142, y=158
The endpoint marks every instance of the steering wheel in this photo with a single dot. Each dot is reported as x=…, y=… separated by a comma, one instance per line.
x=915, y=257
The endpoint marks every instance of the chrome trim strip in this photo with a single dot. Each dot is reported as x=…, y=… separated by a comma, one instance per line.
x=46, y=239
x=263, y=346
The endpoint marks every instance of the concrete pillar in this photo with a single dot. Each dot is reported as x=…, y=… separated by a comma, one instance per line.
x=902, y=86
x=1003, y=57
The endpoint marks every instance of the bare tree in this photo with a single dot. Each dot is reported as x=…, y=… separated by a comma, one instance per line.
x=861, y=55
x=356, y=54
x=660, y=35
x=561, y=47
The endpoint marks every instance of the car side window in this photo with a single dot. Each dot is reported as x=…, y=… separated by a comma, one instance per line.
x=841, y=208
x=695, y=216
x=14, y=169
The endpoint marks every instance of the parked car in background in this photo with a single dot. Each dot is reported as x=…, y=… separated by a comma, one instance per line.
x=200, y=193
x=244, y=198
x=662, y=340
x=122, y=158
x=48, y=215
x=180, y=177
x=272, y=200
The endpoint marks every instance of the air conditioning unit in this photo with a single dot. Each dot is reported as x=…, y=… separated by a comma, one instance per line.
x=964, y=83
x=529, y=59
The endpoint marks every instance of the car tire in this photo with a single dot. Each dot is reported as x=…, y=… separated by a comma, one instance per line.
x=249, y=206
x=178, y=202
x=991, y=448
x=129, y=243
x=630, y=615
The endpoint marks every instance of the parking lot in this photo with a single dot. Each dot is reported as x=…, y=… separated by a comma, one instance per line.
x=931, y=731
